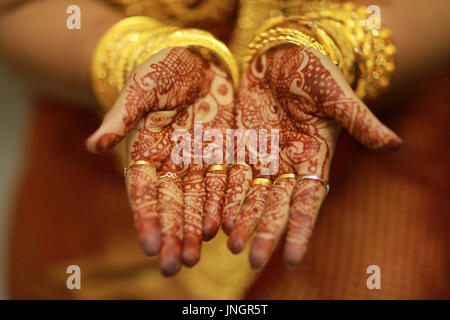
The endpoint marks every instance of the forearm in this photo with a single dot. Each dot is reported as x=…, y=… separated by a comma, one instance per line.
x=36, y=42
x=421, y=33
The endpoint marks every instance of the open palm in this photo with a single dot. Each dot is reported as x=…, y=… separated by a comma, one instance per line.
x=299, y=92
x=175, y=203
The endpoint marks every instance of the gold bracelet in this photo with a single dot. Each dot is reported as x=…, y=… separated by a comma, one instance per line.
x=342, y=56
x=373, y=48
x=133, y=40
x=108, y=52
x=204, y=44
x=365, y=56
x=276, y=36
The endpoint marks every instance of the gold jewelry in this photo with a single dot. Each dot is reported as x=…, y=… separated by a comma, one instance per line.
x=217, y=167
x=285, y=176
x=308, y=27
x=274, y=37
x=138, y=163
x=253, y=13
x=315, y=178
x=108, y=52
x=263, y=181
x=170, y=175
x=133, y=40
x=203, y=43
x=365, y=56
x=373, y=50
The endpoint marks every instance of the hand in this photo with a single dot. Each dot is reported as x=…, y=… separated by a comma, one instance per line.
x=172, y=202
x=302, y=94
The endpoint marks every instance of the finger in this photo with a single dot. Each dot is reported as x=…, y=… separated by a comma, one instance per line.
x=194, y=199
x=215, y=183
x=238, y=184
x=153, y=86
x=134, y=101
x=273, y=223
x=248, y=217
x=170, y=209
x=362, y=124
x=142, y=182
x=307, y=198
x=306, y=81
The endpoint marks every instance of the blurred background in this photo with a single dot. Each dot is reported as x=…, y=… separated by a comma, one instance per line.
x=14, y=114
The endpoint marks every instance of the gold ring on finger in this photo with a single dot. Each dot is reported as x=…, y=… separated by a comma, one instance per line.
x=285, y=176
x=217, y=167
x=170, y=175
x=263, y=181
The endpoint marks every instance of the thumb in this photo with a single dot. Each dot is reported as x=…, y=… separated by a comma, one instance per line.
x=362, y=124
x=169, y=80
x=133, y=102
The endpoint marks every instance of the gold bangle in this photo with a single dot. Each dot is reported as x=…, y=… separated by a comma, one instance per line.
x=285, y=176
x=132, y=40
x=277, y=36
x=217, y=167
x=365, y=56
x=372, y=49
x=311, y=27
x=106, y=54
x=204, y=44
x=263, y=181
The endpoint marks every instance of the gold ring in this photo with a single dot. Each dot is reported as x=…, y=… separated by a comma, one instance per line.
x=170, y=175
x=285, y=176
x=263, y=181
x=137, y=163
x=217, y=167
x=242, y=164
x=316, y=178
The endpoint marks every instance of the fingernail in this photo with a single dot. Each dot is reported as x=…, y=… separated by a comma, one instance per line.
x=235, y=244
x=170, y=262
x=227, y=226
x=150, y=235
x=151, y=244
x=260, y=252
x=293, y=254
x=210, y=228
x=191, y=250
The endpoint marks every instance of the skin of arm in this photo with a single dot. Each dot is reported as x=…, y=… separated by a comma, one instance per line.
x=36, y=43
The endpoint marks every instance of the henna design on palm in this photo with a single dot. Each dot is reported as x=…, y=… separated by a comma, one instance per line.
x=172, y=90
x=301, y=93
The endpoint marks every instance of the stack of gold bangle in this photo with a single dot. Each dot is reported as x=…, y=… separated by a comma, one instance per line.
x=365, y=56
x=131, y=41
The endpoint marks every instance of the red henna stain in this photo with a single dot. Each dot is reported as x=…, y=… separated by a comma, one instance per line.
x=223, y=89
x=107, y=141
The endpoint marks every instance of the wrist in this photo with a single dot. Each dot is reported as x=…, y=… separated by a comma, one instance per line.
x=131, y=41
x=364, y=56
